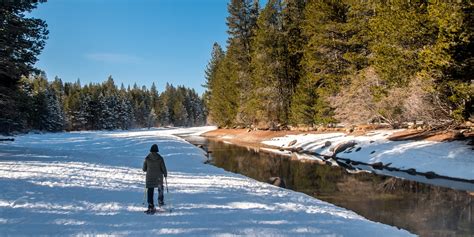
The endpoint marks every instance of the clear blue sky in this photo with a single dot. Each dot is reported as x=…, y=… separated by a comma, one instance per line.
x=135, y=41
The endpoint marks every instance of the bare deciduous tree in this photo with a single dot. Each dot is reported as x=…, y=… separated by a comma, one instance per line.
x=367, y=99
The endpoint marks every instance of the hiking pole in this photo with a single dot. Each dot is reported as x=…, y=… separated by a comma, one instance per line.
x=144, y=195
x=169, y=196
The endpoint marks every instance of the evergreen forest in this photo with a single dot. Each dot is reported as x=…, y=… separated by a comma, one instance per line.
x=321, y=62
x=57, y=106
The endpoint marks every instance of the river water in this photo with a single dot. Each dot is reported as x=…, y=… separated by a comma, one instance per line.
x=423, y=209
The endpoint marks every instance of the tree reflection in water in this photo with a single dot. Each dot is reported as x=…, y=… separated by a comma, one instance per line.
x=423, y=209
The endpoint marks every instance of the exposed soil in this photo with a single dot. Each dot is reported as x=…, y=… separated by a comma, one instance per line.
x=253, y=138
x=440, y=136
x=244, y=137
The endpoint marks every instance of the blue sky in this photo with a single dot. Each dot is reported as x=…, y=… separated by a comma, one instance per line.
x=139, y=41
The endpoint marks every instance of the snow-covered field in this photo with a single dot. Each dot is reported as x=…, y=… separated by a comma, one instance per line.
x=91, y=183
x=453, y=159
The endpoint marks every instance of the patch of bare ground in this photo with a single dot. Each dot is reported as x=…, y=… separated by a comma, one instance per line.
x=439, y=136
x=253, y=138
x=246, y=137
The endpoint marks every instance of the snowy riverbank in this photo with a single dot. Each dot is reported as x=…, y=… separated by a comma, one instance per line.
x=453, y=159
x=91, y=183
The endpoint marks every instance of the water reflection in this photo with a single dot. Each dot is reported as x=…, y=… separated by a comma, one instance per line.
x=423, y=209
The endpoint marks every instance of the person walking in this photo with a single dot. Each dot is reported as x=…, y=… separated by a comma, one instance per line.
x=155, y=168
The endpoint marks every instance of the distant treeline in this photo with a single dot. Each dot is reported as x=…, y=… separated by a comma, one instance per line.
x=31, y=102
x=57, y=106
x=312, y=62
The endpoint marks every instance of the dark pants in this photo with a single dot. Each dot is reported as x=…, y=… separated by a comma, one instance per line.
x=151, y=191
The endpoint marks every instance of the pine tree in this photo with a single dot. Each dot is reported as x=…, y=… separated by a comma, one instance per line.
x=179, y=111
x=294, y=42
x=196, y=106
x=58, y=87
x=125, y=110
x=164, y=114
x=447, y=60
x=151, y=118
x=303, y=103
x=269, y=72
x=39, y=107
x=358, y=76
x=110, y=113
x=81, y=116
x=154, y=97
x=53, y=118
x=224, y=103
x=217, y=56
x=22, y=40
x=241, y=22
x=324, y=62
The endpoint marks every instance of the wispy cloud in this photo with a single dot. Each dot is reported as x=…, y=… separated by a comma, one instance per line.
x=113, y=58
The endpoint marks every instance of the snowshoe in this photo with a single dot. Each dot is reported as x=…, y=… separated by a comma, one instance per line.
x=150, y=211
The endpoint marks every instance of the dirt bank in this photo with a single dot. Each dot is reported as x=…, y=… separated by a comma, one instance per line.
x=245, y=137
x=253, y=138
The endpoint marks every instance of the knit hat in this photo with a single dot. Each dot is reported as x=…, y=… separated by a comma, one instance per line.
x=154, y=148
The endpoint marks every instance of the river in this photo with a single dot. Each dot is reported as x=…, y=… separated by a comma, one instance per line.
x=423, y=209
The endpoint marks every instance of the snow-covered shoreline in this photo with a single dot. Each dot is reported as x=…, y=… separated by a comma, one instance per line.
x=90, y=183
x=452, y=159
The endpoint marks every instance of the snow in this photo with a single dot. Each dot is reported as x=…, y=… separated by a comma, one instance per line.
x=91, y=183
x=453, y=159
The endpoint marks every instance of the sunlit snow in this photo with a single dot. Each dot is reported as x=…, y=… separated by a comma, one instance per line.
x=453, y=159
x=91, y=183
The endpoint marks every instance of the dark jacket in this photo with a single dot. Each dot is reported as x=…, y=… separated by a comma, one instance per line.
x=155, y=169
